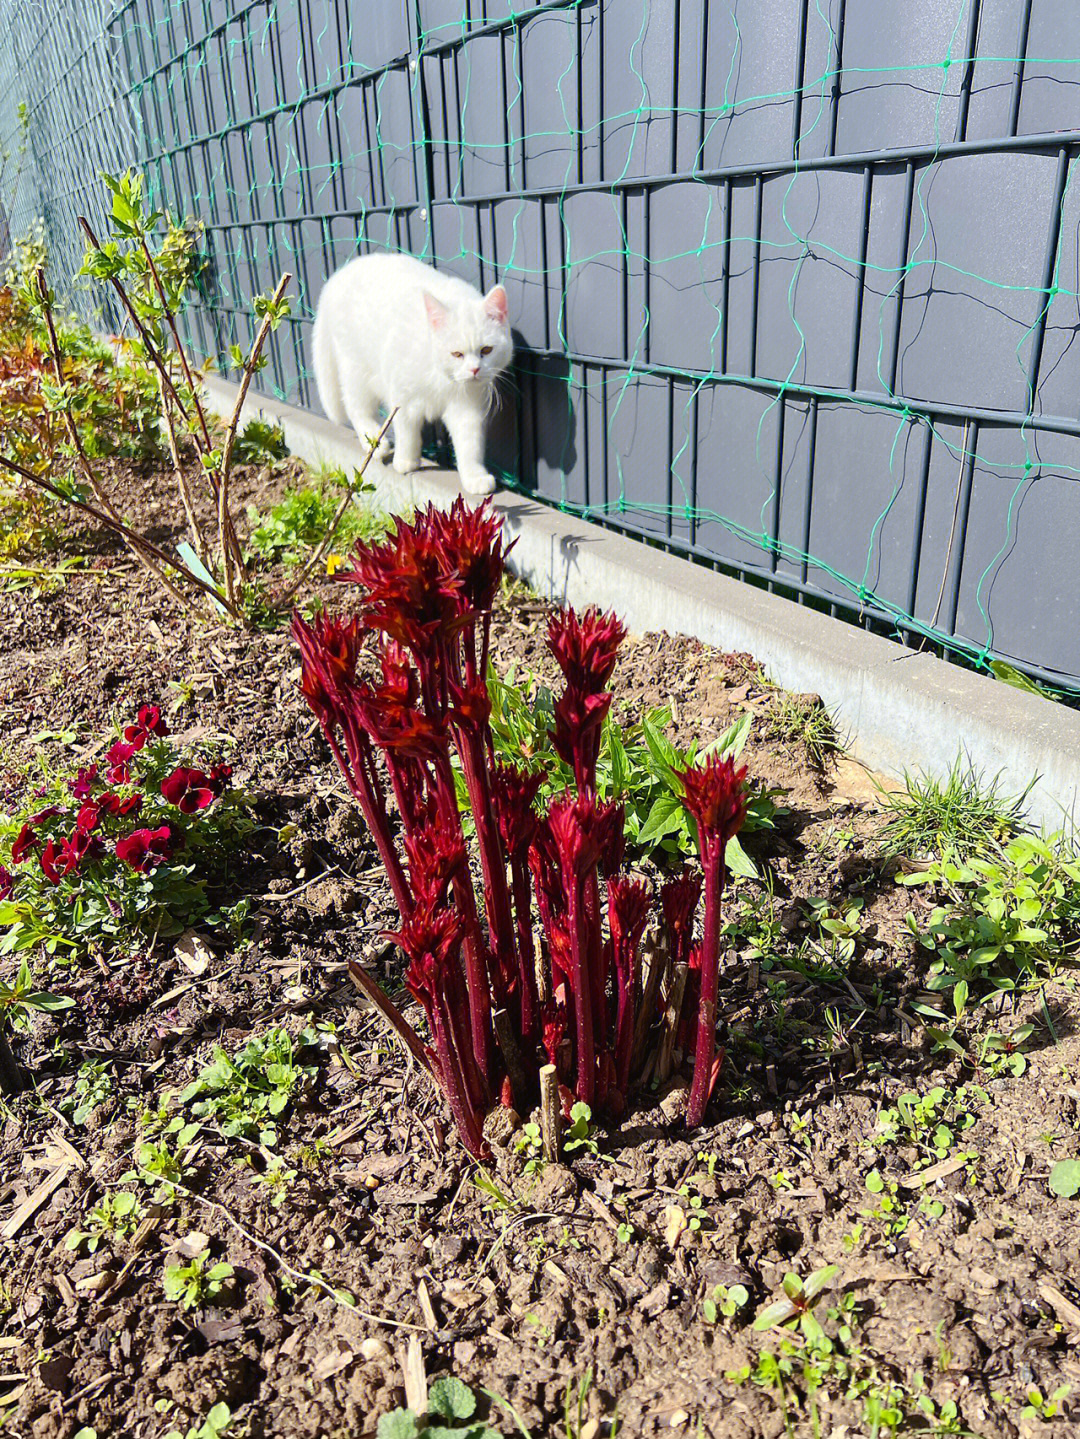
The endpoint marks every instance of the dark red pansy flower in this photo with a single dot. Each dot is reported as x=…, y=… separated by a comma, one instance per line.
x=114, y=805
x=142, y=849
x=82, y=784
x=49, y=860
x=119, y=771
x=89, y=817
x=188, y=789
x=7, y=879
x=26, y=841
x=219, y=777
x=148, y=723
x=44, y=814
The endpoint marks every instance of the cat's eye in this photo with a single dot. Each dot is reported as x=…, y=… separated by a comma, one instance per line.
x=457, y=355
x=486, y=350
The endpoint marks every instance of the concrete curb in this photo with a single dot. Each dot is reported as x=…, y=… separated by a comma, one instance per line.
x=900, y=709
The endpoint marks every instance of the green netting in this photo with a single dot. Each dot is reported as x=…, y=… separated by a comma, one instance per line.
x=302, y=131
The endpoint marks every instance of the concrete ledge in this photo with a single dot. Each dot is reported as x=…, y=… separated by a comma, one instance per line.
x=901, y=709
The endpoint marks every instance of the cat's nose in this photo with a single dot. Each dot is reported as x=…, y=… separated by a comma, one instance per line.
x=474, y=370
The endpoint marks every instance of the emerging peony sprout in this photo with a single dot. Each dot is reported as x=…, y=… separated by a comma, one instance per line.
x=715, y=797
x=585, y=650
x=426, y=593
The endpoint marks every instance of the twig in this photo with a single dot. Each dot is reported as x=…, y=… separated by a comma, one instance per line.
x=550, y=1118
x=224, y=518
x=327, y=539
x=181, y=481
x=170, y=321
x=144, y=334
x=390, y=1012
x=118, y=525
x=89, y=473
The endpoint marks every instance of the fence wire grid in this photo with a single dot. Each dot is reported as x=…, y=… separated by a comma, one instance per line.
x=795, y=283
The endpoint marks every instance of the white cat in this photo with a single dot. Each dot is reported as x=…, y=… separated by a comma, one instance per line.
x=392, y=332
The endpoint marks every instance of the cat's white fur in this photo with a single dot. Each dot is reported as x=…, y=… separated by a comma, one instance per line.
x=391, y=332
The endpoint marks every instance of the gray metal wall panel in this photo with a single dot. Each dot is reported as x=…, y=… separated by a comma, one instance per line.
x=707, y=359
x=964, y=341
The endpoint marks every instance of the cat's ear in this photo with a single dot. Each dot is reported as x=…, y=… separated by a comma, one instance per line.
x=495, y=307
x=436, y=312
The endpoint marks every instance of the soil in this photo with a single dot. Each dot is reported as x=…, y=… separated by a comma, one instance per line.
x=958, y=1295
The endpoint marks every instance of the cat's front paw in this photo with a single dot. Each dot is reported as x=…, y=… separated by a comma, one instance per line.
x=477, y=482
x=405, y=464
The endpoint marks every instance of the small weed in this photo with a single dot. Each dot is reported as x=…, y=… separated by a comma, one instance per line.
x=116, y=1216
x=217, y=1422
x=931, y=1122
x=803, y=719
x=259, y=443
x=300, y=521
x=580, y=1133
x=93, y=1086
x=724, y=1301
x=961, y=813
x=195, y=1284
x=1040, y=1407
x=530, y=1144
x=450, y=1415
x=244, y=1095
x=1008, y=920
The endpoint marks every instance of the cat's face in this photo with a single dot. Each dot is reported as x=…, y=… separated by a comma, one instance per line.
x=472, y=342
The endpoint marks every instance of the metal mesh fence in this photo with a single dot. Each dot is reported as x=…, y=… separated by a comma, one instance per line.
x=795, y=283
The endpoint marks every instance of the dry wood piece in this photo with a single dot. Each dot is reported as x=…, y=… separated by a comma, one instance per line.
x=672, y=1015
x=412, y=1367
x=550, y=1117
x=33, y=1202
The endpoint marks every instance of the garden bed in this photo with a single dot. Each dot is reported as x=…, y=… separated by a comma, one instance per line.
x=594, y=1290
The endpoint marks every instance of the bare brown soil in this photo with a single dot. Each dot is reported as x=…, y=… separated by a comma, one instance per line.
x=524, y=1294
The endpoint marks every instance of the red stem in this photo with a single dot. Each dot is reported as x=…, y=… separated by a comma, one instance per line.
x=500, y=920
x=583, y=1011
x=369, y=795
x=705, y=1048
x=530, y=1000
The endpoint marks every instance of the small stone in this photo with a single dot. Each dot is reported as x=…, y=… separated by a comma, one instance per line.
x=371, y=1182
x=673, y=1104
x=679, y=1418
x=329, y=1242
x=374, y=1349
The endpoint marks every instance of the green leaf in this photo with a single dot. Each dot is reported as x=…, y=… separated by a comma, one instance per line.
x=774, y=1314
x=792, y=1286
x=1065, y=1178
x=738, y=861
x=818, y=1280
x=874, y=1182
x=733, y=741
x=451, y=1399
x=664, y=818
x=398, y=1424
x=219, y=1418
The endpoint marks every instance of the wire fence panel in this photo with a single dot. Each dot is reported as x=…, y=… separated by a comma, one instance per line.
x=795, y=284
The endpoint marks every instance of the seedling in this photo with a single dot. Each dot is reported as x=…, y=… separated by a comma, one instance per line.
x=796, y=1308
x=116, y=1216
x=217, y=1422
x=246, y=1094
x=195, y=1284
x=580, y=1133
x=450, y=1415
x=724, y=1301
